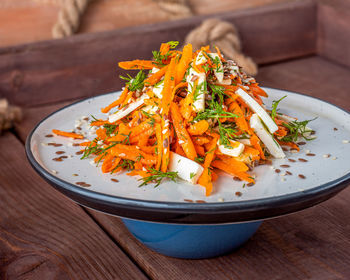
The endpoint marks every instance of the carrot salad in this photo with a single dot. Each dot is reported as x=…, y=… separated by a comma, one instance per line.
x=188, y=114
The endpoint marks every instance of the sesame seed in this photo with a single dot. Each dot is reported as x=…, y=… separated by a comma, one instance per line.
x=345, y=141
x=326, y=155
x=122, y=155
x=92, y=162
x=44, y=144
x=220, y=199
x=334, y=158
x=283, y=179
x=164, y=131
x=137, y=147
x=294, y=151
x=54, y=171
x=307, y=151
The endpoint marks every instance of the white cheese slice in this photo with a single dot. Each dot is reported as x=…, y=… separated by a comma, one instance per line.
x=271, y=144
x=127, y=109
x=186, y=169
x=219, y=69
x=225, y=82
x=200, y=59
x=199, y=96
x=158, y=88
x=244, y=141
x=150, y=109
x=154, y=70
x=254, y=106
x=235, y=151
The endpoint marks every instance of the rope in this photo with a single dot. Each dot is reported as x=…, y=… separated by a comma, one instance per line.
x=224, y=35
x=69, y=18
x=175, y=8
x=9, y=115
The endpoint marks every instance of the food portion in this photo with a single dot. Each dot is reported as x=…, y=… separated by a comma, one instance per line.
x=188, y=115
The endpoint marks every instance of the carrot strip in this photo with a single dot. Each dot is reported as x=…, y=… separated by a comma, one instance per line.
x=198, y=128
x=136, y=64
x=227, y=168
x=240, y=121
x=205, y=179
x=155, y=78
x=165, y=145
x=254, y=140
x=169, y=84
x=67, y=134
x=159, y=145
x=185, y=60
x=116, y=102
x=181, y=132
x=255, y=89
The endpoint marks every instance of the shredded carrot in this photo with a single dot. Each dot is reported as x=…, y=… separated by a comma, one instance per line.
x=137, y=64
x=116, y=102
x=181, y=133
x=185, y=60
x=155, y=78
x=67, y=134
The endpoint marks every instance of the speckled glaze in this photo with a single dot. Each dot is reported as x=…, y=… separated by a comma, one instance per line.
x=273, y=194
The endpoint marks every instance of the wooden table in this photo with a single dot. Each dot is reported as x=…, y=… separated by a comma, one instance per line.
x=301, y=46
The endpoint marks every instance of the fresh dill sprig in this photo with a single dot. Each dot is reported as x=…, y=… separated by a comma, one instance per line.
x=274, y=107
x=297, y=129
x=136, y=83
x=110, y=128
x=226, y=134
x=159, y=58
x=158, y=176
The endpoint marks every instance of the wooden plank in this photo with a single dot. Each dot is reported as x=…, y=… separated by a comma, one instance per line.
x=312, y=244
x=86, y=65
x=334, y=30
x=43, y=235
x=41, y=15
x=315, y=76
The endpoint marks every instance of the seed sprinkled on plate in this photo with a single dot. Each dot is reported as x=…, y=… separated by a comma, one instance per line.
x=54, y=171
x=301, y=176
x=335, y=129
x=301, y=143
x=238, y=194
x=236, y=179
x=283, y=179
x=48, y=135
x=250, y=184
x=188, y=200
x=220, y=199
x=345, y=141
x=289, y=173
x=334, y=158
x=291, y=160
x=285, y=166
x=294, y=151
x=326, y=155
x=302, y=160
x=75, y=175
x=277, y=170
x=60, y=152
x=307, y=151
x=200, y=201
x=310, y=154
x=114, y=180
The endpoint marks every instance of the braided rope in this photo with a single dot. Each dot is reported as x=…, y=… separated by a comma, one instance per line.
x=224, y=35
x=69, y=18
x=8, y=115
x=175, y=8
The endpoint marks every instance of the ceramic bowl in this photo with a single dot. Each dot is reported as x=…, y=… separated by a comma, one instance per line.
x=163, y=218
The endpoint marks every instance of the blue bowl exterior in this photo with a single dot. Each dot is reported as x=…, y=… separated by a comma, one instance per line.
x=192, y=241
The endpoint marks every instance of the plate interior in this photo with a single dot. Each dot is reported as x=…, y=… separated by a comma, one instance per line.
x=332, y=128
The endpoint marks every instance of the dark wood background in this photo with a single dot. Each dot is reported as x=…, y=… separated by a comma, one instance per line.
x=300, y=46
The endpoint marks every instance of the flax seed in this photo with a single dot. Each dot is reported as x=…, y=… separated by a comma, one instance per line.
x=250, y=184
x=188, y=200
x=301, y=143
x=285, y=166
x=60, y=152
x=79, y=152
x=49, y=135
x=238, y=194
x=301, y=176
x=277, y=170
x=201, y=201
x=236, y=179
x=302, y=160
x=114, y=180
x=289, y=173
x=291, y=160
x=310, y=154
